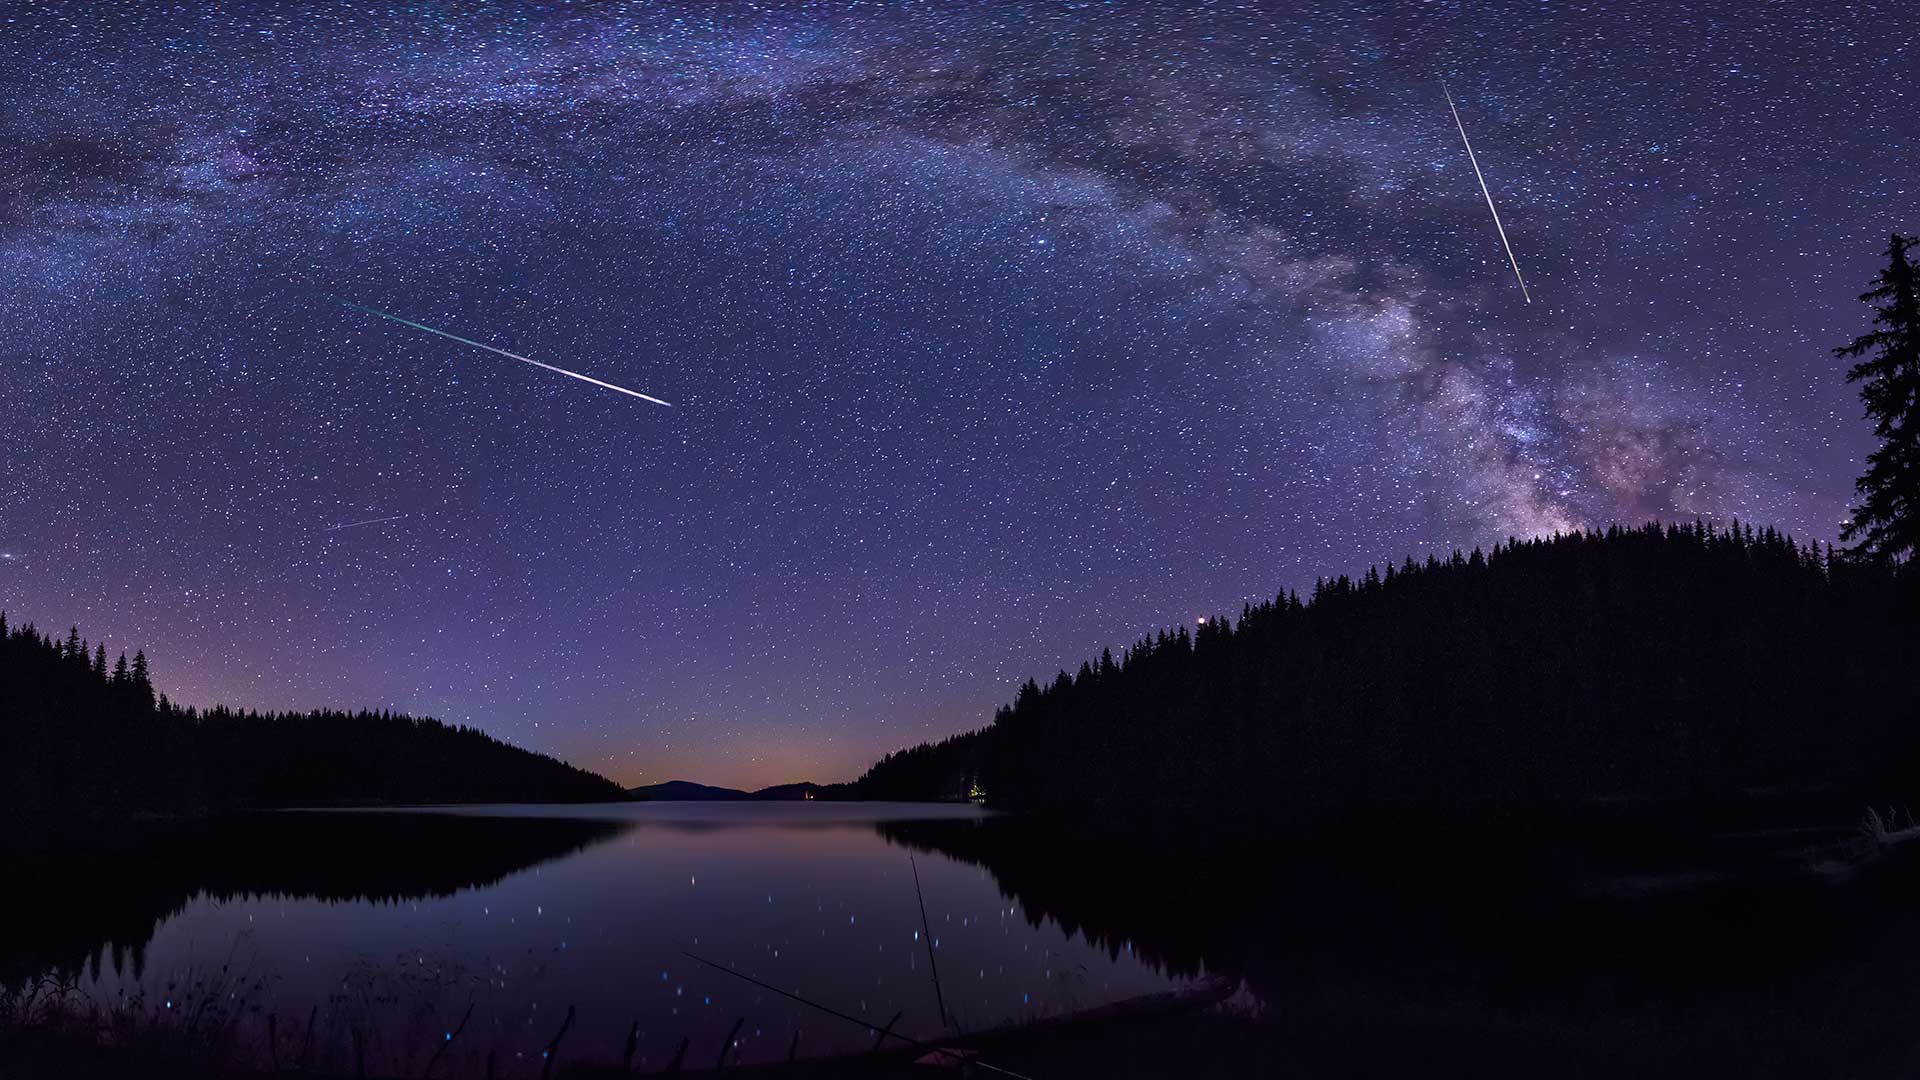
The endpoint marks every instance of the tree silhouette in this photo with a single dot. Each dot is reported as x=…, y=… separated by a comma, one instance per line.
x=1653, y=664
x=1887, y=521
x=82, y=749
x=142, y=681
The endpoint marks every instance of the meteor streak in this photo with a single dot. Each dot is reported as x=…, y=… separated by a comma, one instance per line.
x=369, y=521
x=1483, y=190
x=505, y=353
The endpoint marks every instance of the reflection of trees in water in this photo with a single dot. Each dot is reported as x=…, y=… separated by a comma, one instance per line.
x=64, y=913
x=1117, y=903
x=1511, y=920
x=1492, y=951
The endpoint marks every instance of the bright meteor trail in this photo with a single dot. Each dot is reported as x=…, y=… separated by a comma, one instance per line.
x=1483, y=190
x=369, y=521
x=505, y=353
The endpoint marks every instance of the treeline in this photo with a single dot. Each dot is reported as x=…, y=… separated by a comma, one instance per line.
x=85, y=743
x=1653, y=663
x=944, y=771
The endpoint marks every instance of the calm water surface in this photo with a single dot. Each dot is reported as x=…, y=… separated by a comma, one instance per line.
x=393, y=924
x=1609, y=947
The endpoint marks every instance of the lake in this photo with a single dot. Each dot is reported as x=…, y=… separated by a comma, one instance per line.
x=385, y=926
x=1615, y=946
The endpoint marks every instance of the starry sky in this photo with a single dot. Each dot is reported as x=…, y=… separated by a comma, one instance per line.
x=994, y=333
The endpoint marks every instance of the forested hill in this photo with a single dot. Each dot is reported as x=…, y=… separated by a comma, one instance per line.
x=1662, y=662
x=81, y=741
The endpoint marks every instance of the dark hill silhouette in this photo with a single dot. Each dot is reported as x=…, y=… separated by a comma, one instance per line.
x=687, y=791
x=1645, y=664
x=88, y=747
x=802, y=790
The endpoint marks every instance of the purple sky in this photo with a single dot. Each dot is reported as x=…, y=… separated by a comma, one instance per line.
x=995, y=334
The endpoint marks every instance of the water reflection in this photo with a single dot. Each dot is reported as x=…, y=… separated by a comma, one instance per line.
x=105, y=905
x=388, y=927
x=1532, y=949
x=1360, y=944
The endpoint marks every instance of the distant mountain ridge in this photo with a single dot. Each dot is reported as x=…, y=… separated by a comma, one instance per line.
x=688, y=791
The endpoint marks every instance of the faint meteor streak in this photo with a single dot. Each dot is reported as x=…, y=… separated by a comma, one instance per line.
x=1483, y=190
x=369, y=521
x=505, y=353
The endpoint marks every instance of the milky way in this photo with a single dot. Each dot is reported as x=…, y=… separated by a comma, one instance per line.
x=996, y=334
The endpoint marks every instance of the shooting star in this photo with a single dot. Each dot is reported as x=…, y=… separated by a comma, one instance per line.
x=369, y=521
x=505, y=353
x=1483, y=190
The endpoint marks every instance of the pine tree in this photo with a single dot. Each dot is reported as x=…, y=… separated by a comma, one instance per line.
x=100, y=661
x=142, y=683
x=1887, y=522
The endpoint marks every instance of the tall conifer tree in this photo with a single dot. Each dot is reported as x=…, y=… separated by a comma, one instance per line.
x=1887, y=521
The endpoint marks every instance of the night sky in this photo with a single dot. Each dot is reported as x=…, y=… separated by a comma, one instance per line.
x=994, y=334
